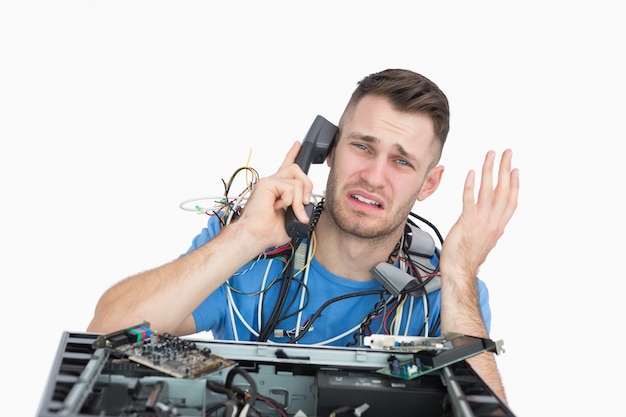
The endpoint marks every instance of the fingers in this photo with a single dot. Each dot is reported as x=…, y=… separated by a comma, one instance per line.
x=505, y=168
x=292, y=186
x=303, y=185
x=508, y=182
x=502, y=199
x=292, y=195
x=468, y=190
x=508, y=185
x=484, y=219
x=290, y=158
x=505, y=175
x=486, y=182
x=499, y=199
x=513, y=194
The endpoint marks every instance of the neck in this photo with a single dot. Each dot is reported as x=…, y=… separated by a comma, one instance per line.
x=351, y=256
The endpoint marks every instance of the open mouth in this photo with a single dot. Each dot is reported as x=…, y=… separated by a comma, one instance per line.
x=366, y=200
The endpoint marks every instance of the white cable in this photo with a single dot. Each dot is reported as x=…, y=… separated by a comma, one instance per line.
x=233, y=307
x=260, y=308
x=235, y=311
x=411, y=304
x=332, y=339
x=219, y=202
x=408, y=317
x=236, y=203
x=305, y=280
x=299, y=317
x=215, y=199
x=398, y=320
x=425, y=302
x=347, y=332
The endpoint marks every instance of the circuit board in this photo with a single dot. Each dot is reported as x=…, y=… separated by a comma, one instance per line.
x=429, y=353
x=169, y=354
x=406, y=343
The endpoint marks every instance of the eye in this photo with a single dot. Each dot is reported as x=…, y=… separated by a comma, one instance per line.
x=403, y=162
x=360, y=146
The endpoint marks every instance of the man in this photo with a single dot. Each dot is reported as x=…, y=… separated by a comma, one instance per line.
x=384, y=159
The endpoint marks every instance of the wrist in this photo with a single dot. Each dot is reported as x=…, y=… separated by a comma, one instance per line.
x=250, y=239
x=458, y=274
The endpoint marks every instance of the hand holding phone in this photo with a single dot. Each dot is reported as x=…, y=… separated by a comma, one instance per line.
x=314, y=150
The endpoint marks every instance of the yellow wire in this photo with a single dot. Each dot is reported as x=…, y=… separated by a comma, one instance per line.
x=398, y=309
x=248, y=165
x=308, y=261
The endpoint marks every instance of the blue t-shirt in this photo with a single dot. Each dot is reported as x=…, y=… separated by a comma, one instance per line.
x=239, y=308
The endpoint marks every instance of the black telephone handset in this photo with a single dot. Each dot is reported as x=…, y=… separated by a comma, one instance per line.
x=314, y=150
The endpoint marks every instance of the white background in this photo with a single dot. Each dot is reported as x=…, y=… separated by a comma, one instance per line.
x=112, y=113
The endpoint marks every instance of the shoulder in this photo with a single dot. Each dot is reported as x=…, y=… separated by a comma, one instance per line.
x=482, y=287
x=213, y=227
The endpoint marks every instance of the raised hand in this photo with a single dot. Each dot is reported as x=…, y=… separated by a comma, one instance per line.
x=264, y=211
x=483, y=219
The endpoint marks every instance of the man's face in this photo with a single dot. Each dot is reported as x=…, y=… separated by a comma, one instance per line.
x=379, y=167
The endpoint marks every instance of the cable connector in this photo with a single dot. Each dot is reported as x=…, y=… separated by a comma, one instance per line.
x=393, y=279
x=421, y=243
x=396, y=281
x=361, y=409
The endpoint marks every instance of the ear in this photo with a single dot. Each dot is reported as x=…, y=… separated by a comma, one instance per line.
x=431, y=182
x=329, y=157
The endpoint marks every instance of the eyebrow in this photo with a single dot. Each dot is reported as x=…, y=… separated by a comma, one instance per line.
x=398, y=148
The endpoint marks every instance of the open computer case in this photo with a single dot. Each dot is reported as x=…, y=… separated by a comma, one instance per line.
x=137, y=372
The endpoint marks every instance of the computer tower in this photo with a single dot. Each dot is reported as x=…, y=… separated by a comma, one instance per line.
x=271, y=380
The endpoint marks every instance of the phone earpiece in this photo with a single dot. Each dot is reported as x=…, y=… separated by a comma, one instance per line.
x=315, y=147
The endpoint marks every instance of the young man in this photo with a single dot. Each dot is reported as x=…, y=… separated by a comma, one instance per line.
x=384, y=158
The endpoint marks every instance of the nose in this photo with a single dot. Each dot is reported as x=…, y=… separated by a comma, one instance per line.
x=374, y=172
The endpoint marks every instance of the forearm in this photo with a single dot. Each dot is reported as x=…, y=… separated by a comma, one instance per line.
x=466, y=247
x=485, y=365
x=166, y=296
x=460, y=313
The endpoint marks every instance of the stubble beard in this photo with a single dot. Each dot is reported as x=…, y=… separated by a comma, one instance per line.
x=357, y=224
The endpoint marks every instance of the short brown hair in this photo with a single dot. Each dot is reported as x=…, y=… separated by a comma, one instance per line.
x=409, y=92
